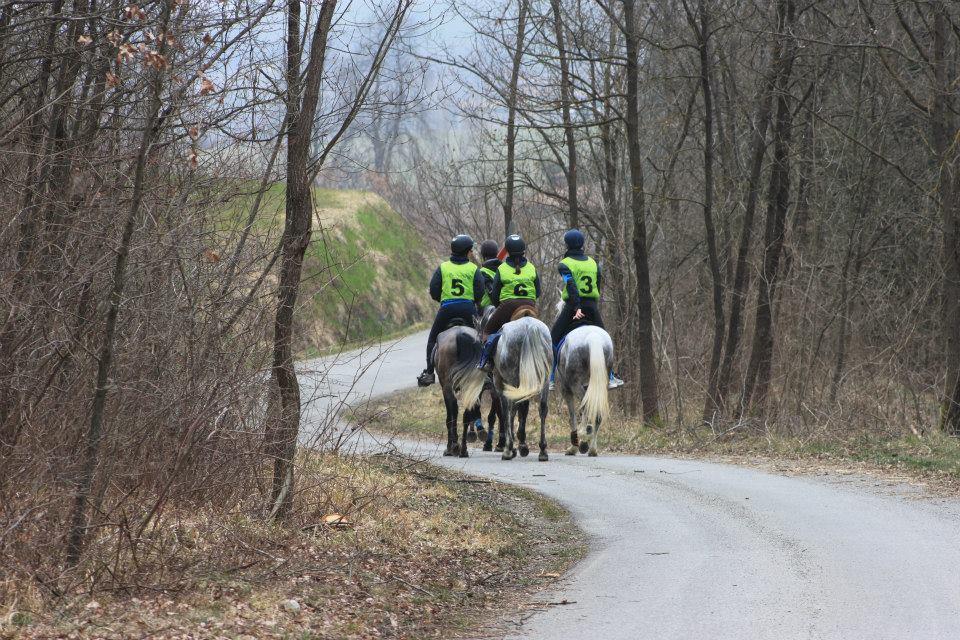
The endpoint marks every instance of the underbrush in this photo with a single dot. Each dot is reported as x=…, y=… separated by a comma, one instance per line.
x=378, y=547
x=931, y=456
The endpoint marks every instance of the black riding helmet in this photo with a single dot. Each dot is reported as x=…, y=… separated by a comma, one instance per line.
x=574, y=239
x=489, y=249
x=515, y=245
x=461, y=245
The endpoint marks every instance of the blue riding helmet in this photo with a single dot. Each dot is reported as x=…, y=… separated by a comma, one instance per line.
x=574, y=239
x=515, y=245
x=461, y=244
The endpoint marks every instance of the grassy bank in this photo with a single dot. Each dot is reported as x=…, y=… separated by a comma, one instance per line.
x=389, y=548
x=934, y=458
x=365, y=272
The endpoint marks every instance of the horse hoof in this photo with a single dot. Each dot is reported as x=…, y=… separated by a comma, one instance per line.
x=448, y=452
x=584, y=447
x=524, y=451
x=464, y=453
x=593, y=453
x=487, y=446
x=571, y=451
x=574, y=438
x=498, y=448
x=471, y=436
x=543, y=457
x=506, y=456
x=589, y=429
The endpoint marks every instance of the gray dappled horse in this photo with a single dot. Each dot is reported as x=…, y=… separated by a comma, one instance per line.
x=583, y=370
x=521, y=372
x=455, y=358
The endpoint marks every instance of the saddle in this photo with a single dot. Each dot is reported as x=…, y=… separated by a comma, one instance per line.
x=525, y=312
x=455, y=322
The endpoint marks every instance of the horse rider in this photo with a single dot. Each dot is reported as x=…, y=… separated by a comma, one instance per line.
x=489, y=262
x=516, y=285
x=580, y=293
x=458, y=286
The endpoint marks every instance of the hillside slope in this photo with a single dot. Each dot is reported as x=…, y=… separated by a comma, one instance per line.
x=365, y=272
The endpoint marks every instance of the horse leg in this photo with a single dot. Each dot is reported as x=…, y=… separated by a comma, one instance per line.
x=463, y=438
x=523, y=409
x=469, y=418
x=502, y=419
x=509, y=408
x=543, y=457
x=574, y=438
x=593, y=439
x=450, y=401
x=491, y=420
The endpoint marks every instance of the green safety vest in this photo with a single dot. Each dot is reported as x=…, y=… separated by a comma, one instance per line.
x=518, y=285
x=485, y=300
x=456, y=280
x=585, y=275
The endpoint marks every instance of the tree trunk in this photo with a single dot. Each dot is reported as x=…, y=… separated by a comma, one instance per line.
x=945, y=147
x=303, y=94
x=648, y=373
x=741, y=278
x=78, y=519
x=757, y=381
x=512, y=116
x=573, y=221
x=703, y=31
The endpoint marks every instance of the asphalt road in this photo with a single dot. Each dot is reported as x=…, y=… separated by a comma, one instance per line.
x=689, y=549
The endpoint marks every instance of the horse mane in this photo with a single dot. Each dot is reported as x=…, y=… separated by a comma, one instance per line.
x=525, y=312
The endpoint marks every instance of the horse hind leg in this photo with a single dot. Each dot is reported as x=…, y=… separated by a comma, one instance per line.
x=543, y=457
x=463, y=440
x=491, y=420
x=509, y=452
x=502, y=427
x=593, y=440
x=450, y=402
x=470, y=417
x=574, y=438
x=523, y=410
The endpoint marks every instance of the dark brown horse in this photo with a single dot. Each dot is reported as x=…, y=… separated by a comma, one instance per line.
x=456, y=357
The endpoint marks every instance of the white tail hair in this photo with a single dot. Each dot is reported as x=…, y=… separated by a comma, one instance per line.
x=468, y=384
x=596, y=403
x=534, y=367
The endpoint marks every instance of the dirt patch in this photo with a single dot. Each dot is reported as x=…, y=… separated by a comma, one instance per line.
x=402, y=550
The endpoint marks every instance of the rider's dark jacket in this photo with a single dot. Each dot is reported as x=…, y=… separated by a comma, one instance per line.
x=573, y=293
x=497, y=285
x=492, y=265
x=436, y=283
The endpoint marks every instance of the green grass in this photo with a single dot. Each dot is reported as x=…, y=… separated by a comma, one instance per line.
x=365, y=272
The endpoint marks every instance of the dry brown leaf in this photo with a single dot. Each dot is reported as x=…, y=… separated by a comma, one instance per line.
x=336, y=520
x=211, y=255
x=84, y=39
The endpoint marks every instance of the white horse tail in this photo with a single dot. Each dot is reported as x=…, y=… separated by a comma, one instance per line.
x=466, y=378
x=534, y=367
x=596, y=403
